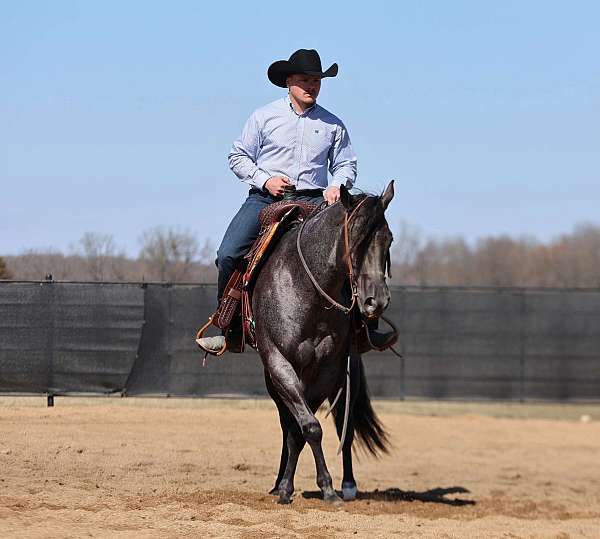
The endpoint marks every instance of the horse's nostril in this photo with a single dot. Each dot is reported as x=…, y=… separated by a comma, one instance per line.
x=370, y=302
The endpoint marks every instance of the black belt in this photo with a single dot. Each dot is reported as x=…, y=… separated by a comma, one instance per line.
x=297, y=193
x=309, y=192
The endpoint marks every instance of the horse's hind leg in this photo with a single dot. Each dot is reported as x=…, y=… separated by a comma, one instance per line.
x=289, y=388
x=283, y=459
x=294, y=443
x=281, y=408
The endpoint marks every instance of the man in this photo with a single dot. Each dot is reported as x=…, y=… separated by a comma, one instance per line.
x=285, y=147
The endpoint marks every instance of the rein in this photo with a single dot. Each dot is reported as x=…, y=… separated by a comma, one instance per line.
x=347, y=218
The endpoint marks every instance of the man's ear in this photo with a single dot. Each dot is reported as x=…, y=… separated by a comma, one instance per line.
x=388, y=194
x=345, y=197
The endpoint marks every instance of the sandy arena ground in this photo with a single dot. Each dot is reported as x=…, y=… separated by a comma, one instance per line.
x=166, y=468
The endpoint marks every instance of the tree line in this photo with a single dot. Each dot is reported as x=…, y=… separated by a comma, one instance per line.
x=569, y=261
x=173, y=255
x=166, y=254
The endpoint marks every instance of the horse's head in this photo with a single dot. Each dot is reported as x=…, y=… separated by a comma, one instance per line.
x=369, y=242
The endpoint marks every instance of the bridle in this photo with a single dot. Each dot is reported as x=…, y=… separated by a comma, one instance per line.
x=351, y=278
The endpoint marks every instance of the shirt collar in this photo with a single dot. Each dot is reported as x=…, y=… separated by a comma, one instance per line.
x=305, y=113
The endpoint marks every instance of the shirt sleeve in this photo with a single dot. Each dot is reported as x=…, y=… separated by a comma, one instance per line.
x=342, y=159
x=244, y=154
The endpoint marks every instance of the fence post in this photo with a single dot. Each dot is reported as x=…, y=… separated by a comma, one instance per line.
x=523, y=337
x=169, y=333
x=48, y=300
x=402, y=348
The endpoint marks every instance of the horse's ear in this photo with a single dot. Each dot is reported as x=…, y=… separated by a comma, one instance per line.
x=388, y=194
x=345, y=197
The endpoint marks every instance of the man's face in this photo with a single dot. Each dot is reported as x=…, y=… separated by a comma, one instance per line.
x=304, y=88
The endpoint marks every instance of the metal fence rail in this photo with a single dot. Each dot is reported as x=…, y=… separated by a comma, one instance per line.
x=457, y=343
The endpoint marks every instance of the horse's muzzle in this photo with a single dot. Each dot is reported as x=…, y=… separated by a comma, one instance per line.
x=373, y=307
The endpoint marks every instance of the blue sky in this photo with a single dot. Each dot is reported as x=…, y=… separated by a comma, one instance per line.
x=117, y=116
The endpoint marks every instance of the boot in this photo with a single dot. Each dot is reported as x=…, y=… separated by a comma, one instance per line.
x=381, y=339
x=212, y=345
x=378, y=339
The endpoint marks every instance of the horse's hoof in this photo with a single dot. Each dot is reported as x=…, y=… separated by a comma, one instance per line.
x=284, y=500
x=333, y=499
x=275, y=490
x=349, y=491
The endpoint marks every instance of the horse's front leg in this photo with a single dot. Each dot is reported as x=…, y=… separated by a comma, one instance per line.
x=349, y=488
x=289, y=388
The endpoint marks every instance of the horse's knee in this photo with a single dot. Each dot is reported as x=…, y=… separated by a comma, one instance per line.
x=312, y=431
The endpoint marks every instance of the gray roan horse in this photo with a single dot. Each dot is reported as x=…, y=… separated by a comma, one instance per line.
x=304, y=339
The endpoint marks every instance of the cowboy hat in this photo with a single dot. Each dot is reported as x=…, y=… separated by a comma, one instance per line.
x=305, y=61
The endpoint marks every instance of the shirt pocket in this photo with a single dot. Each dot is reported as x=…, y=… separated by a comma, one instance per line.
x=316, y=143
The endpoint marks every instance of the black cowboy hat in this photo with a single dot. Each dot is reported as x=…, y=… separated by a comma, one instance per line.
x=305, y=61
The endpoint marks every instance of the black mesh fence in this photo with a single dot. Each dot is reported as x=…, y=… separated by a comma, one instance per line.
x=68, y=337
x=457, y=343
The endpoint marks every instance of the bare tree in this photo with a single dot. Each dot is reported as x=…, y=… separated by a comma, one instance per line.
x=36, y=264
x=208, y=252
x=503, y=261
x=575, y=258
x=101, y=258
x=408, y=242
x=444, y=262
x=168, y=254
x=4, y=273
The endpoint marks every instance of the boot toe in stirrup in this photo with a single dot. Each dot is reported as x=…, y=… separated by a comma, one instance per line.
x=212, y=345
x=382, y=339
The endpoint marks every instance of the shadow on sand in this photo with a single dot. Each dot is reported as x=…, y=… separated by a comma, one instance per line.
x=435, y=495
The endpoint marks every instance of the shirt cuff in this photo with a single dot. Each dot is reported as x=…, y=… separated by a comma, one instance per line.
x=259, y=179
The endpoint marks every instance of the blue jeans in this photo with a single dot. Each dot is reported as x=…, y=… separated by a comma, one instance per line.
x=244, y=229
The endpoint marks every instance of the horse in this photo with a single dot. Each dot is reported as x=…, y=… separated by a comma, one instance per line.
x=303, y=303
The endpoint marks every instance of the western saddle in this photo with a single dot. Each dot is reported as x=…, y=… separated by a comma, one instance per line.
x=234, y=314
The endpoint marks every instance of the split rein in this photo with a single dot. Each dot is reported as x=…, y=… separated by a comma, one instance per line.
x=347, y=219
x=347, y=256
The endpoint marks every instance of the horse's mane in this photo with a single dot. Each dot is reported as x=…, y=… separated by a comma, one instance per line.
x=357, y=194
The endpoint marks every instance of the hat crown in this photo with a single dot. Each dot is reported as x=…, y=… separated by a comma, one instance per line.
x=306, y=60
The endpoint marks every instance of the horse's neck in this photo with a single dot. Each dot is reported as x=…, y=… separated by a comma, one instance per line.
x=323, y=248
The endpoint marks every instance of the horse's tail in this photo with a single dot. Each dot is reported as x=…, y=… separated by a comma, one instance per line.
x=371, y=435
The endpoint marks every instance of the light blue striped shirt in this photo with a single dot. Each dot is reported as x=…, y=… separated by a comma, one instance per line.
x=277, y=141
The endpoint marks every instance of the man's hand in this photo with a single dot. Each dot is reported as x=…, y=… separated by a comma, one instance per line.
x=277, y=185
x=332, y=194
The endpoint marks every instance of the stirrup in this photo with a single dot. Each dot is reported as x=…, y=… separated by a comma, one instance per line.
x=199, y=335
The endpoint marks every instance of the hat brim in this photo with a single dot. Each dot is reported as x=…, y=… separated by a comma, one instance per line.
x=281, y=70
